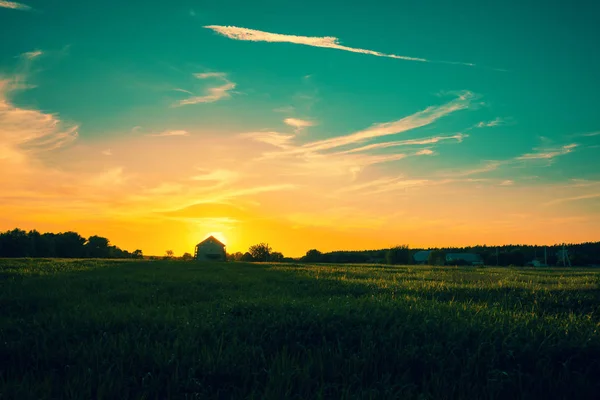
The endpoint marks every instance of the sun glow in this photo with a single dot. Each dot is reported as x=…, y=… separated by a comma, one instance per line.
x=217, y=235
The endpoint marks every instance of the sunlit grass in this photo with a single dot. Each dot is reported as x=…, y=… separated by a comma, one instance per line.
x=140, y=329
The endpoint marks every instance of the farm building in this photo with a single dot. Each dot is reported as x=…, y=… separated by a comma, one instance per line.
x=421, y=257
x=210, y=249
x=470, y=258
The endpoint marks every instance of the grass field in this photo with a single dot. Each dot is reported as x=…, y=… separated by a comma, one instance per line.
x=88, y=329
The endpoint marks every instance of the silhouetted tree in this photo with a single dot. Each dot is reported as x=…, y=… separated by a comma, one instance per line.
x=436, y=257
x=276, y=256
x=187, y=257
x=247, y=257
x=69, y=245
x=169, y=254
x=398, y=255
x=97, y=247
x=260, y=252
x=312, y=256
x=137, y=254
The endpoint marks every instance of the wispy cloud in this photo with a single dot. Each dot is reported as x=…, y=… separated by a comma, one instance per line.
x=298, y=124
x=507, y=182
x=487, y=167
x=417, y=120
x=30, y=55
x=574, y=198
x=179, y=132
x=496, y=122
x=330, y=42
x=14, y=5
x=409, y=142
x=317, y=155
x=219, y=175
x=276, y=139
x=213, y=94
x=25, y=131
x=587, y=134
x=424, y=152
x=546, y=154
x=107, y=152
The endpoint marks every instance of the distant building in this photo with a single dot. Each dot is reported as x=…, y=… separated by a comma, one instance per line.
x=470, y=258
x=421, y=257
x=210, y=249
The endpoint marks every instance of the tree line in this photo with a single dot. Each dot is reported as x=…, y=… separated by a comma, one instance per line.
x=19, y=243
x=581, y=254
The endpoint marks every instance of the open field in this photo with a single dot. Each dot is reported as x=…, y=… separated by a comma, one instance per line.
x=86, y=329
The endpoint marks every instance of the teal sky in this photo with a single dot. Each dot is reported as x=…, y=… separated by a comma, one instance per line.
x=119, y=69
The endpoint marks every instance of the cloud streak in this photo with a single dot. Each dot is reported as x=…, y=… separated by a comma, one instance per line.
x=410, y=142
x=496, y=122
x=213, y=94
x=14, y=5
x=329, y=42
x=24, y=132
x=298, y=124
x=574, y=198
x=546, y=154
x=417, y=120
x=179, y=132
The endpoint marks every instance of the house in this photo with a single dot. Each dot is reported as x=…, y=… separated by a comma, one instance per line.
x=421, y=257
x=210, y=249
x=469, y=258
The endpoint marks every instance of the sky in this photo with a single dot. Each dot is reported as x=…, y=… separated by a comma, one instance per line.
x=306, y=125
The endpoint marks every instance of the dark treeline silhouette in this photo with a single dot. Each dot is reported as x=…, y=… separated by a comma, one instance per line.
x=519, y=255
x=261, y=252
x=19, y=243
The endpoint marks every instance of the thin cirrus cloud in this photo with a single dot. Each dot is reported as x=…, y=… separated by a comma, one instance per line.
x=276, y=139
x=178, y=132
x=314, y=156
x=540, y=154
x=410, y=142
x=25, y=132
x=212, y=94
x=496, y=122
x=14, y=5
x=299, y=124
x=329, y=42
x=30, y=55
x=417, y=120
x=574, y=198
x=546, y=154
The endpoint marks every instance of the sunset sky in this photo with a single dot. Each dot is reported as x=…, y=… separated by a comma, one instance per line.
x=308, y=124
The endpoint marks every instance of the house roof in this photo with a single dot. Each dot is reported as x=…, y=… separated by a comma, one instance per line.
x=211, y=239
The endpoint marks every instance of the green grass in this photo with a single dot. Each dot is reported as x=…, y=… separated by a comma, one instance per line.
x=87, y=329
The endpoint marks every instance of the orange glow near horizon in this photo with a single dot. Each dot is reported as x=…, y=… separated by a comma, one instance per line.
x=155, y=193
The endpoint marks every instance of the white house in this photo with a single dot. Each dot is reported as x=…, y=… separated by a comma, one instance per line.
x=210, y=249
